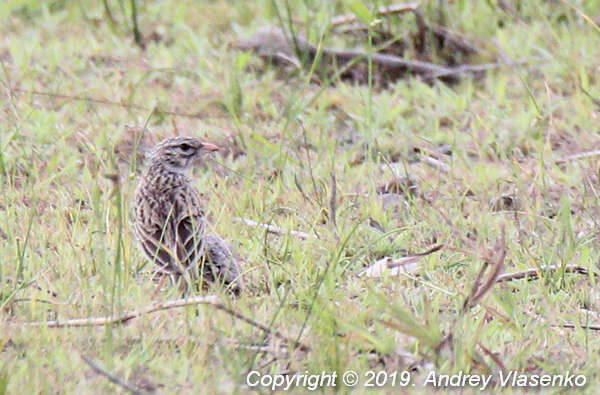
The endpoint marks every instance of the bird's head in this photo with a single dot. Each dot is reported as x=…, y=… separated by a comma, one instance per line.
x=177, y=154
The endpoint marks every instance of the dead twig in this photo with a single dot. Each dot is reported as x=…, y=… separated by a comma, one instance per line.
x=477, y=282
x=575, y=326
x=459, y=40
x=210, y=300
x=398, y=265
x=494, y=260
x=466, y=68
x=129, y=315
x=580, y=155
x=493, y=356
x=391, y=62
x=534, y=273
x=413, y=258
x=276, y=230
x=271, y=42
x=111, y=377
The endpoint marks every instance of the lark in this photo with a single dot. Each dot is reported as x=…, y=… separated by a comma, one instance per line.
x=169, y=220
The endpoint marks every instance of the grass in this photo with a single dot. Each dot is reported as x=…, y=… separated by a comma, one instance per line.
x=64, y=216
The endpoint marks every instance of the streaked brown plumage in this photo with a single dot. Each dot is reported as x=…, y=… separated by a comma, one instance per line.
x=169, y=220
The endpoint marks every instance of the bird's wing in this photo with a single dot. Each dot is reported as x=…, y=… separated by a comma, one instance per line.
x=152, y=238
x=154, y=230
x=189, y=224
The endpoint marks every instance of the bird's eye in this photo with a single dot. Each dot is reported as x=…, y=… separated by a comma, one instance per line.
x=186, y=147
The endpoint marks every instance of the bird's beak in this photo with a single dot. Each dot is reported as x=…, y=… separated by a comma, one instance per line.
x=209, y=147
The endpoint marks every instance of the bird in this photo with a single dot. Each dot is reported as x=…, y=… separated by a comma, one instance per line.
x=169, y=220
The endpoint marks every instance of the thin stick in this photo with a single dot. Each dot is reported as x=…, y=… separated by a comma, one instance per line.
x=496, y=265
x=276, y=230
x=456, y=38
x=273, y=41
x=466, y=68
x=533, y=273
x=493, y=356
x=111, y=377
x=575, y=326
x=413, y=258
x=577, y=156
x=393, y=62
x=129, y=315
x=494, y=261
x=211, y=300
